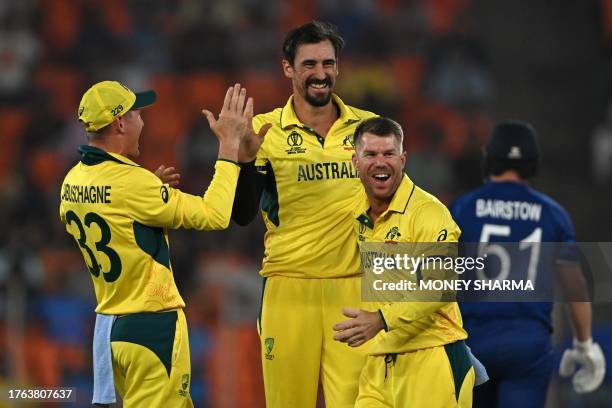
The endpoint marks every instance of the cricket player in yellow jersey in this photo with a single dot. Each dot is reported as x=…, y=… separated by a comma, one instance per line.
x=417, y=356
x=119, y=213
x=307, y=186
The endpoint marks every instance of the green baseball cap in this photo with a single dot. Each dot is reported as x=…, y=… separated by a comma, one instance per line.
x=107, y=100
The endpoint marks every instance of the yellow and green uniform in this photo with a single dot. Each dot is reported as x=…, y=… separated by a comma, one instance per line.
x=118, y=213
x=420, y=359
x=311, y=260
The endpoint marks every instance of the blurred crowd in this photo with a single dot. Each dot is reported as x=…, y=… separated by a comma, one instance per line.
x=418, y=61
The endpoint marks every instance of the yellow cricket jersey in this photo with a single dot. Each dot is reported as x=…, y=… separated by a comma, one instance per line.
x=309, y=194
x=413, y=216
x=119, y=212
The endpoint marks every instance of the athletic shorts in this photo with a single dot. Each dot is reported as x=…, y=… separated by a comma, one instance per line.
x=436, y=377
x=150, y=353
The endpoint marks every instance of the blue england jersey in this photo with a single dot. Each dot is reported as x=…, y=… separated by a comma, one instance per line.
x=512, y=212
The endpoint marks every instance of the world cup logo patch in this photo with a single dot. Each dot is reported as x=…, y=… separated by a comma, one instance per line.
x=294, y=141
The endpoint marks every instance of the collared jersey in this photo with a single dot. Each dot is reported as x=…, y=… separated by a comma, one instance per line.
x=413, y=216
x=119, y=212
x=309, y=194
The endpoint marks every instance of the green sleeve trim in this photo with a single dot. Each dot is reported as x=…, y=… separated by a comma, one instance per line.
x=269, y=197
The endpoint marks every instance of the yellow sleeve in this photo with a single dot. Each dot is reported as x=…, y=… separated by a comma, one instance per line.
x=158, y=205
x=432, y=223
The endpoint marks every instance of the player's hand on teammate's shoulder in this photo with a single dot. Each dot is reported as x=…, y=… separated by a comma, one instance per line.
x=168, y=175
x=587, y=357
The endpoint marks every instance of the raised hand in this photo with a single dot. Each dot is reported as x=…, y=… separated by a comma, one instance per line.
x=252, y=141
x=234, y=122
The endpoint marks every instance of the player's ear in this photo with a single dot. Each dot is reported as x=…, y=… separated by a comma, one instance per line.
x=114, y=126
x=403, y=158
x=120, y=125
x=354, y=159
x=287, y=68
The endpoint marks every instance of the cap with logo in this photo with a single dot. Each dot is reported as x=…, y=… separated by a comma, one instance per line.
x=107, y=100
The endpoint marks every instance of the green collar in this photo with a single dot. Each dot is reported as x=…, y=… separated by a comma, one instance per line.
x=91, y=156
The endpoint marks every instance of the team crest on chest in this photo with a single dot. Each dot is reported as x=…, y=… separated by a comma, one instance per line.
x=269, y=345
x=393, y=235
x=184, y=385
x=349, y=142
x=294, y=141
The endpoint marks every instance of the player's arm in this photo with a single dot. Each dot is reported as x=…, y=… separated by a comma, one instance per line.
x=574, y=287
x=435, y=228
x=248, y=194
x=155, y=204
x=585, y=352
x=585, y=361
x=434, y=225
x=250, y=182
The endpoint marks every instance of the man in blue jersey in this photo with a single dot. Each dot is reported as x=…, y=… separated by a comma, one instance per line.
x=512, y=339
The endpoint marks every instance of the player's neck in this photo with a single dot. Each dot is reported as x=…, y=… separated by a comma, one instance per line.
x=108, y=144
x=508, y=175
x=377, y=207
x=319, y=118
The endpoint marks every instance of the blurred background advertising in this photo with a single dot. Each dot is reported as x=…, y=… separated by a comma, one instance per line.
x=447, y=70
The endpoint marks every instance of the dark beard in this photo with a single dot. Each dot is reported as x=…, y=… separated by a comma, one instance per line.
x=318, y=101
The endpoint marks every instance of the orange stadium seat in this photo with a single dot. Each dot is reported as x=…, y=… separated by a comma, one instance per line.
x=46, y=169
x=116, y=16
x=443, y=15
x=409, y=73
x=235, y=368
x=166, y=123
x=204, y=90
x=61, y=22
x=268, y=89
x=64, y=87
x=13, y=122
x=42, y=360
x=423, y=119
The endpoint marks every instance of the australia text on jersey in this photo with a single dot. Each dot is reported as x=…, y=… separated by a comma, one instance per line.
x=326, y=171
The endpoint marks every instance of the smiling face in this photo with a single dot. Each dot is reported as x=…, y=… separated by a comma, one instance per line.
x=380, y=162
x=313, y=73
